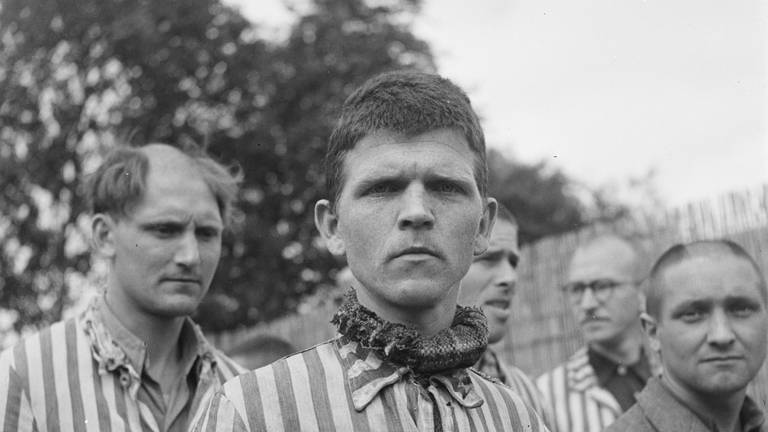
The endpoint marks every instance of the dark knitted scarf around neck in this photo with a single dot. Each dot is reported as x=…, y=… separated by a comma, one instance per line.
x=459, y=346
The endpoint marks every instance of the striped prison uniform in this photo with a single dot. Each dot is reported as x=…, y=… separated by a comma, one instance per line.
x=493, y=366
x=340, y=386
x=574, y=397
x=73, y=376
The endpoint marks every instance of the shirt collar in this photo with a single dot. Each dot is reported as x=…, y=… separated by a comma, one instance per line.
x=606, y=368
x=115, y=348
x=667, y=412
x=368, y=373
x=490, y=365
x=752, y=416
x=134, y=348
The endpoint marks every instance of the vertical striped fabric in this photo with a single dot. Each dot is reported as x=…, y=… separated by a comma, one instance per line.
x=575, y=400
x=339, y=386
x=491, y=365
x=51, y=381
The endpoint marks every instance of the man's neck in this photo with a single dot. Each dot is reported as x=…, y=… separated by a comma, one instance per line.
x=723, y=409
x=160, y=334
x=626, y=350
x=427, y=322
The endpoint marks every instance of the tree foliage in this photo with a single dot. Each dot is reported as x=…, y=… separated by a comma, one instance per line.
x=77, y=77
x=541, y=198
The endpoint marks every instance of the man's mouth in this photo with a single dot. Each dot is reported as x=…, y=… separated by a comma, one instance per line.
x=417, y=250
x=182, y=279
x=722, y=359
x=503, y=304
x=593, y=318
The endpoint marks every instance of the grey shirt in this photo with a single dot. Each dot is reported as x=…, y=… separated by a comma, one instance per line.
x=658, y=410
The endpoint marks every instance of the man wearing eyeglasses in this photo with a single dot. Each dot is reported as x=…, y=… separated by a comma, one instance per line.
x=600, y=381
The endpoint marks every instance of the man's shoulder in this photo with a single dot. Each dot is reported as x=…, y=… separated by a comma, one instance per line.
x=483, y=380
x=52, y=341
x=557, y=371
x=309, y=359
x=576, y=365
x=506, y=401
x=46, y=348
x=633, y=420
x=227, y=367
x=517, y=374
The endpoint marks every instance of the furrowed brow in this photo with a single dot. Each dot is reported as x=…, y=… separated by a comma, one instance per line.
x=742, y=300
x=467, y=183
x=698, y=304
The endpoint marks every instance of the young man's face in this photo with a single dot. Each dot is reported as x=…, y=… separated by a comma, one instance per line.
x=409, y=218
x=165, y=250
x=490, y=281
x=604, y=321
x=712, y=325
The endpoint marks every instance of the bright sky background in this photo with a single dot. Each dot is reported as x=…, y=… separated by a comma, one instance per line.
x=607, y=90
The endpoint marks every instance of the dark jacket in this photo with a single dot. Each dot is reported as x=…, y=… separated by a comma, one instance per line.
x=657, y=410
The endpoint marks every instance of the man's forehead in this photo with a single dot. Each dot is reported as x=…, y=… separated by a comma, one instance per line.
x=602, y=258
x=504, y=235
x=163, y=157
x=390, y=149
x=701, y=274
x=174, y=188
x=451, y=139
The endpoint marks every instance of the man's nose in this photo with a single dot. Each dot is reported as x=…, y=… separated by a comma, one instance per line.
x=588, y=300
x=720, y=331
x=416, y=211
x=188, y=250
x=506, y=274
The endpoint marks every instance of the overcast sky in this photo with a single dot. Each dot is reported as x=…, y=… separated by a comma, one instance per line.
x=608, y=90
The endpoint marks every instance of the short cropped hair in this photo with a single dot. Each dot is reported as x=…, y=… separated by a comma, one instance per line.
x=120, y=182
x=408, y=103
x=683, y=252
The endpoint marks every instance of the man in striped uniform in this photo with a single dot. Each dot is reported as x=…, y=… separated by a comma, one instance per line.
x=406, y=174
x=490, y=284
x=133, y=361
x=600, y=381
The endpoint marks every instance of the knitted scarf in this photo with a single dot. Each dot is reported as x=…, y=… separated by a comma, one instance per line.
x=459, y=346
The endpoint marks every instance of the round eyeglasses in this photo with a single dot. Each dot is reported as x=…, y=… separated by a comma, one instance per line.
x=602, y=289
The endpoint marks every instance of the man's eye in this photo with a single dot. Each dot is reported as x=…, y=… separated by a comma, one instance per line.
x=208, y=233
x=602, y=285
x=575, y=288
x=165, y=229
x=380, y=188
x=447, y=187
x=485, y=258
x=691, y=316
x=743, y=311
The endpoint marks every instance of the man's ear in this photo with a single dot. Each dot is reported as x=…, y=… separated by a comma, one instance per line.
x=651, y=329
x=102, y=235
x=641, y=299
x=483, y=237
x=327, y=223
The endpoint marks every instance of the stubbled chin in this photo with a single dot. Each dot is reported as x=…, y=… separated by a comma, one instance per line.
x=499, y=314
